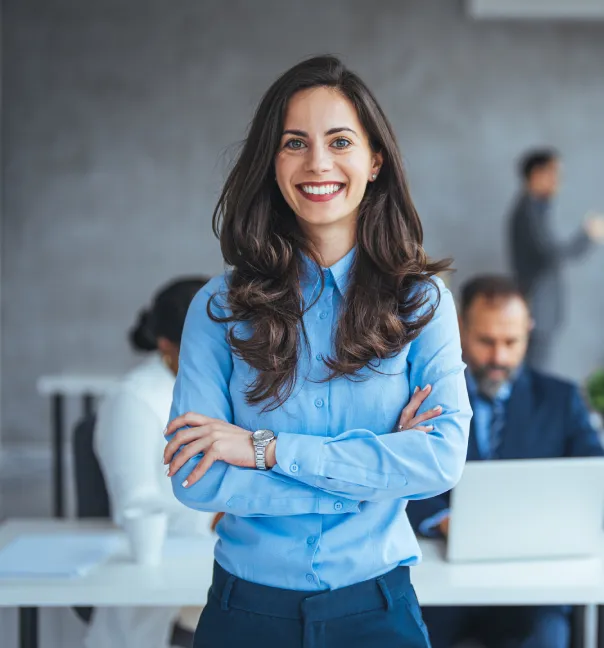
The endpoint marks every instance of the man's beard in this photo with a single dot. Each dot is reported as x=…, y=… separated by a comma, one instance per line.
x=491, y=386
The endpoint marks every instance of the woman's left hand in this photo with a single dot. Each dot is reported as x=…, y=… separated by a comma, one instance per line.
x=218, y=440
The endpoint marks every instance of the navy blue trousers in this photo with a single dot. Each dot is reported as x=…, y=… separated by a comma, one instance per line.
x=378, y=613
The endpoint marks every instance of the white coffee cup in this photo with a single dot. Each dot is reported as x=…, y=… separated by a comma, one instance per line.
x=146, y=528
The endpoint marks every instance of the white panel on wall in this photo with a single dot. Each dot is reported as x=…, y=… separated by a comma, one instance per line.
x=536, y=9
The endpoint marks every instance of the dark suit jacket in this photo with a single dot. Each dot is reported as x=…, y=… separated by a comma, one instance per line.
x=537, y=258
x=546, y=418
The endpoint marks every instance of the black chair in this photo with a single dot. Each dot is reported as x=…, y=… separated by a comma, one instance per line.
x=92, y=501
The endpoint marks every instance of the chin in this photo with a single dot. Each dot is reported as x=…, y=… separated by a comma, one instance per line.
x=315, y=219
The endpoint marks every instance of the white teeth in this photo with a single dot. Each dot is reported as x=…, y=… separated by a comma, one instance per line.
x=322, y=190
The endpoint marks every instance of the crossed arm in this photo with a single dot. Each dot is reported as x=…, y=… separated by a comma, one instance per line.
x=332, y=475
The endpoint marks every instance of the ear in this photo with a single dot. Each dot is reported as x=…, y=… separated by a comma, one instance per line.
x=164, y=345
x=376, y=164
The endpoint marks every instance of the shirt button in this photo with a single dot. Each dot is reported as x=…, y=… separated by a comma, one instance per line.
x=310, y=540
x=319, y=357
x=319, y=402
x=338, y=506
x=294, y=468
x=310, y=578
x=323, y=315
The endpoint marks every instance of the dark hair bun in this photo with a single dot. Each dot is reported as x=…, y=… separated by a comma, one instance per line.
x=166, y=317
x=142, y=336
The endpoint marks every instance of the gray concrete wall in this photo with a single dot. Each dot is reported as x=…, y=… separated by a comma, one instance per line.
x=1, y=208
x=119, y=116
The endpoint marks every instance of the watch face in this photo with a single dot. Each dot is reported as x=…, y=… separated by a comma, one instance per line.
x=263, y=435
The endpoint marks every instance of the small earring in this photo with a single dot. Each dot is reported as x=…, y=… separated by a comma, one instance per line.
x=374, y=176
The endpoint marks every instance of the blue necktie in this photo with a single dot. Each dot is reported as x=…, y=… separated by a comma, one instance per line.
x=497, y=425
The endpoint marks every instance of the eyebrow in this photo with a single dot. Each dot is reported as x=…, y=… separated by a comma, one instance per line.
x=331, y=131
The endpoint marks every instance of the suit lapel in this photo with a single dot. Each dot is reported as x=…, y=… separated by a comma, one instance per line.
x=519, y=416
x=473, y=453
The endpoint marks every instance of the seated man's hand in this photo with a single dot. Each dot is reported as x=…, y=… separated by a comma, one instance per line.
x=443, y=526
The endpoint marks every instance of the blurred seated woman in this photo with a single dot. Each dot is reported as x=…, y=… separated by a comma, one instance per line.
x=129, y=444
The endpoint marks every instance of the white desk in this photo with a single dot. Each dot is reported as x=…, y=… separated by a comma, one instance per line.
x=75, y=384
x=184, y=580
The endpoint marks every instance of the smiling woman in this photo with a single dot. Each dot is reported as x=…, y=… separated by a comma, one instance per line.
x=307, y=374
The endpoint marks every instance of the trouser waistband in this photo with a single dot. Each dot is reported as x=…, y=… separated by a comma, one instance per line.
x=381, y=592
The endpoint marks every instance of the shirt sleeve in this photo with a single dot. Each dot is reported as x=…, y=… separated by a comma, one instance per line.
x=546, y=245
x=362, y=465
x=202, y=386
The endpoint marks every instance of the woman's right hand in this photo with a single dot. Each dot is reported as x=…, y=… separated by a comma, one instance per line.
x=410, y=420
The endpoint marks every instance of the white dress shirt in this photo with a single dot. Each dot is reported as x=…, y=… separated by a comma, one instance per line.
x=129, y=444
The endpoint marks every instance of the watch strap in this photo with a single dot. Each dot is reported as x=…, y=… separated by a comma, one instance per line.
x=260, y=451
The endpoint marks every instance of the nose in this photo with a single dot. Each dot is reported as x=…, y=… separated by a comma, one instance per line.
x=500, y=355
x=318, y=160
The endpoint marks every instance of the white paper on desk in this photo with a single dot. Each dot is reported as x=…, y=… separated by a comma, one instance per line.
x=55, y=555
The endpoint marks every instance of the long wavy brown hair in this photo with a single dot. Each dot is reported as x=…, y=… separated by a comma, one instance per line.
x=384, y=307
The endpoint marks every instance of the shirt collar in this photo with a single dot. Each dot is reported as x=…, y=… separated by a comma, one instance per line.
x=339, y=272
x=540, y=201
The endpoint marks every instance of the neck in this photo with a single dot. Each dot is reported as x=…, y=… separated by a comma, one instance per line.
x=333, y=242
x=537, y=193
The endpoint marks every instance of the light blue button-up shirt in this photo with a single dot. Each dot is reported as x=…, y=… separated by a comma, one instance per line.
x=483, y=417
x=332, y=511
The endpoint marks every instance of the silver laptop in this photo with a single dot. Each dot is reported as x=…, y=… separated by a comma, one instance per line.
x=527, y=509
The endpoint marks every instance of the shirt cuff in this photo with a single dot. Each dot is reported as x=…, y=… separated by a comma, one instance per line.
x=429, y=527
x=299, y=456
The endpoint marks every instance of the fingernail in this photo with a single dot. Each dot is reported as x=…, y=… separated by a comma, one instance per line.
x=430, y=428
x=416, y=390
x=168, y=472
x=165, y=430
x=438, y=408
x=426, y=388
x=185, y=483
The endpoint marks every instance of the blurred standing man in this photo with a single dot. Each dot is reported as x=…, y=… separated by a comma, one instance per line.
x=536, y=255
x=518, y=414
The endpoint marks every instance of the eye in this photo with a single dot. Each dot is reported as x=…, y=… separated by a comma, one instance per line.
x=341, y=143
x=294, y=144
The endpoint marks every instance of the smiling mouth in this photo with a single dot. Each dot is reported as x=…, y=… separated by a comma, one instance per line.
x=320, y=192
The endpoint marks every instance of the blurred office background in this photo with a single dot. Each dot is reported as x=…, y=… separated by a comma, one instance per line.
x=119, y=120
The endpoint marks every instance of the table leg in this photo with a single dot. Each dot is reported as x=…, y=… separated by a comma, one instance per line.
x=58, y=420
x=590, y=627
x=28, y=627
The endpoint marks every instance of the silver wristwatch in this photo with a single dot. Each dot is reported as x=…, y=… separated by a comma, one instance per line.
x=260, y=440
